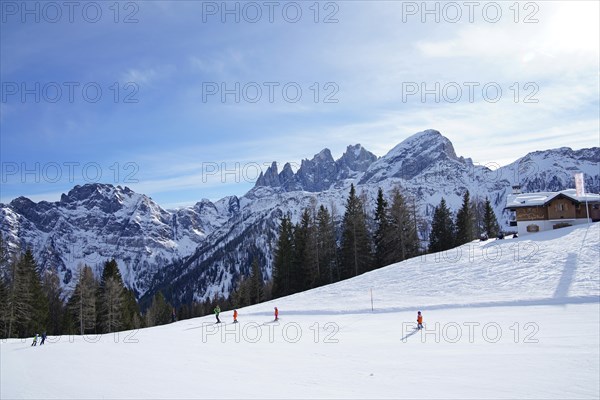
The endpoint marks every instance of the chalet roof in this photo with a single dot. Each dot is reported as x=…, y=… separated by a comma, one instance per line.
x=543, y=198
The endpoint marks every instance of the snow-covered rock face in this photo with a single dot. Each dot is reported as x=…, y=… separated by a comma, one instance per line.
x=319, y=174
x=421, y=152
x=200, y=251
x=96, y=222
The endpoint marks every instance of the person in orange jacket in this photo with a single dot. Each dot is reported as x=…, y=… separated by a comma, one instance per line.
x=276, y=314
x=419, y=320
x=235, y=314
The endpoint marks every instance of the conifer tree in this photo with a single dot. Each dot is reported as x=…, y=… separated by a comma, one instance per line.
x=111, y=298
x=39, y=302
x=82, y=303
x=356, y=249
x=465, y=221
x=18, y=308
x=300, y=276
x=327, y=248
x=4, y=275
x=131, y=311
x=256, y=283
x=284, y=255
x=159, y=312
x=382, y=237
x=490, y=223
x=403, y=228
x=53, y=293
x=241, y=297
x=442, y=229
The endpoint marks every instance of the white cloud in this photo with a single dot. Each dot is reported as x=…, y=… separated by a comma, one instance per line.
x=148, y=75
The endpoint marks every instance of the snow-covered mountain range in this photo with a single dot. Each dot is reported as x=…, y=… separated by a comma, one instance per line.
x=200, y=251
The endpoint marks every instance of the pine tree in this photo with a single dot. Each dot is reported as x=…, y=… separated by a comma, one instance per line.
x=4, y=274
x=159, y=312
x=312, y=256
x=403, y=229
x=39, y=302
x=327, y=248
x=490, y=223
x=241, y=296
x=300, y=275
x=382, y=231
x=4, y=261
x=356, y=249
x=53, y=293
x=256, y=283
x=442, y=229
x=284, y=254
x=131, y=311
x=18, y=308
x=82, y=303
x=111, y=298
x=465, y=221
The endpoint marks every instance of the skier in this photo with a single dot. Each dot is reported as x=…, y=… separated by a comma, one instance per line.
x=419, y=320
x=35, y=338
x=43, y=338
x=276, y=314
x=235, y=314
x=217, y=312
x=173, y=315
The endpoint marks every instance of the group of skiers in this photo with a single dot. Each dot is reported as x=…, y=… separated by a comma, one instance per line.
x=217, y=311
x=35, y=339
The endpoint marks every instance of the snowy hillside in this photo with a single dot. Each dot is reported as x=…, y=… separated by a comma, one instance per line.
x=517, y=318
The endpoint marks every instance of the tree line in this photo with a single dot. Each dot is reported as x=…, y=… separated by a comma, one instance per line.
x=31, y=301
x=312, y=252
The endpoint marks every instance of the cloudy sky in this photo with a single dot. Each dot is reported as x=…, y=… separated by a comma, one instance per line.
x=185, y=100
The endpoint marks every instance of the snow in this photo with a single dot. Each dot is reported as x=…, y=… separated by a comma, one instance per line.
x=541, y=198
x=516, y=318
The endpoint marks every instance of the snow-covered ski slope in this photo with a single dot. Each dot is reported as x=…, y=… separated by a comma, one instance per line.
x=516, y=318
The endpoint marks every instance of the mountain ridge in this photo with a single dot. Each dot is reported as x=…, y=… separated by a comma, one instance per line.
x=200, y=250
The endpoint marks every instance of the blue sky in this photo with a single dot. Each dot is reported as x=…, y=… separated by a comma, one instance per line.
x=133, y=95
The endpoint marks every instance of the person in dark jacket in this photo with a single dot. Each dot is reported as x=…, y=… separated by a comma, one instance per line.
x=217, y=312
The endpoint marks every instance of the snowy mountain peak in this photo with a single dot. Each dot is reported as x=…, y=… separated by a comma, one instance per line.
x=354, y=161
x=429, y=141
x=412, y=157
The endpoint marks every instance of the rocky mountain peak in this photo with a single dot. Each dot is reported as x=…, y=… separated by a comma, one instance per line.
x=270, y=177
x=355, y=159
x=412, y=156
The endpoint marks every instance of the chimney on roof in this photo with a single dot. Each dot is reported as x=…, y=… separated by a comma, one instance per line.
x=516, y=189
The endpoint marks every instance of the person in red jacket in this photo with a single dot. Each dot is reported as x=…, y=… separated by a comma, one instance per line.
x=235, y=314
x=276, y=314
x=419, y=320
